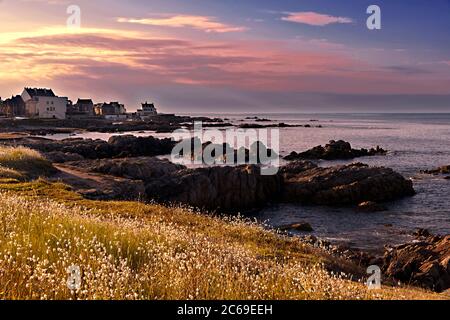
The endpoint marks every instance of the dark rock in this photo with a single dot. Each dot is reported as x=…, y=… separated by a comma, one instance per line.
x=370, y=206
x=99, y=186
x=262, y=126
x=243, y=187
x=140, y=168
x=422, y=233
x=441, y=170
x=296, y=167
x=122, y=189
x=217, y=125
x=445, y=170
x=227, y=153
x=163, y=122
x=61, y=157
x=222, y=188
x=303, y=226
x=335, y=150
x=131, y=146
x=310, y=239
x=345, y=185
x=424, y=263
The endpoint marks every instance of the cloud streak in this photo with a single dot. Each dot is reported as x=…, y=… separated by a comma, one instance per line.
x=315, y=19
x=109, y=64
x=207, y=24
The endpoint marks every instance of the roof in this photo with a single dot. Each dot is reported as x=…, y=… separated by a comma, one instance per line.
x=14, y=100
x=85, y=101
x=40, y=92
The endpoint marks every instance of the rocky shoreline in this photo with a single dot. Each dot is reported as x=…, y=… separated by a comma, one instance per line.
x=158, y=123
x=424, y=263
x=128, y=167
x=222, y=188
x=162, y=123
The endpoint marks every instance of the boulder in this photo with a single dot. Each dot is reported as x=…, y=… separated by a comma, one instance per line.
x=444, y=170
x=99, y=186
x=370, y=206
x=242, y=187
x=131, y=146
x=225, y=152
x=302, y=226
x=421, y=233
x=424, y=263
x=140, y=168
x=344, y=185
x=221, y=188
x=335, y=150
x=61, y=157
x=296, y=167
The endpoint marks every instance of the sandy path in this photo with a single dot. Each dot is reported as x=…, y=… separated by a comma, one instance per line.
x=100, y=186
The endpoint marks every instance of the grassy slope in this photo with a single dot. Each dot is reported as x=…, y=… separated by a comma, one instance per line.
x=130, y=250
x=22, y=163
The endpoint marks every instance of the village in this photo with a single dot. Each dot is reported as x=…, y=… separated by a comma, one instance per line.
x=43, y=103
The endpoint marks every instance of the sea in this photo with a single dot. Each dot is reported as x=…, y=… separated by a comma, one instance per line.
x=415, y=142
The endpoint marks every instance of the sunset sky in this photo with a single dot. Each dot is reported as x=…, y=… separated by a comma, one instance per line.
x=224, y=56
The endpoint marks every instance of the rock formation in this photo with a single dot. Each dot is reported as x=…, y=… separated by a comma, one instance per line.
x=424, y=263
x=343, y=185
x=437, y=171
x=221, y=188
x=116, y=147
x=335, y=150
x=140, y=168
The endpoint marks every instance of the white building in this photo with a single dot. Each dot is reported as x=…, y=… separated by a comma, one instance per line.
x=44, y=104
x=148, y=110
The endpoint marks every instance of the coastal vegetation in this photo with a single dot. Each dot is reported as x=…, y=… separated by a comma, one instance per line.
x=134, y=250
x=23, y=163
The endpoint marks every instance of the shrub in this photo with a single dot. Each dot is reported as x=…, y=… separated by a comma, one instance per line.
x=10, y=174
x=25, y=162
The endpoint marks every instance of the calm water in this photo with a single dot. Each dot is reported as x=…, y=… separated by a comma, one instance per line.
x=415, y=141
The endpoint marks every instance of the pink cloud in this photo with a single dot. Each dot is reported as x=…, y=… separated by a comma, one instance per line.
x=130, y=68
x=207, y=24
x=314, y=18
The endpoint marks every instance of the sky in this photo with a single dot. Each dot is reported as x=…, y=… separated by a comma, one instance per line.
x=228, y=56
